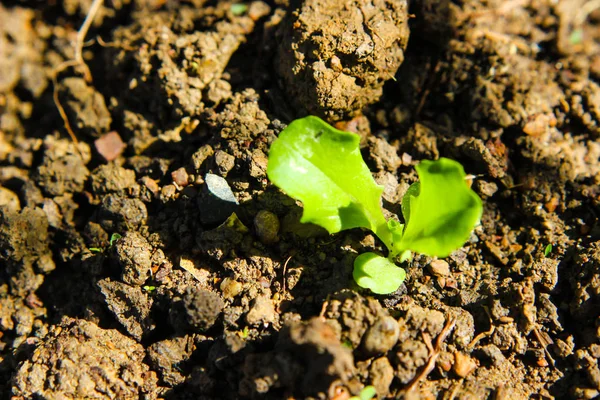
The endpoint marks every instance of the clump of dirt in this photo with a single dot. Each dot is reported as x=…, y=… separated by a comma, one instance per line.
x=334, y=57
x=175, y=65
x=80, y=360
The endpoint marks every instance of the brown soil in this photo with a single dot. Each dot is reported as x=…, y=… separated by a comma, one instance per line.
x=125, y=275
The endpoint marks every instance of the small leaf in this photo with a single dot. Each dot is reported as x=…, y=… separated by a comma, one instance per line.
x=113, y=238
x=322, y=167
x=548, y=250
x=368, y=393
x=238, y=9
x=377, y=273
x=442, y=213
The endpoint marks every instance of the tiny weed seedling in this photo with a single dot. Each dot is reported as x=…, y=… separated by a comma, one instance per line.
x=367, y=393
x=322, y=167
x=113, y=238
x=548, y=250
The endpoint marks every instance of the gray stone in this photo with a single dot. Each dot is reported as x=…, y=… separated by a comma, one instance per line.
x=217, y=201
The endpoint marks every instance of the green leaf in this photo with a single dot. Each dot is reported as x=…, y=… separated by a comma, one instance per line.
x=322, y=167
x=377, y=273
x=368, y=393
x=441, y=212
x=238, y=9
x=548, y=250
x=113, y=238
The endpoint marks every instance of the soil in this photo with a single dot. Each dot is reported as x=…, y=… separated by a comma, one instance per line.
x=151, y=257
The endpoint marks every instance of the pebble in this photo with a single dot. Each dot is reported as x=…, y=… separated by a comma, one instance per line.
x=201, y=155
x=262, y=312
x=110, y=146
x=230, y=288
x=381, y=337
x=225, y=162
x=266, y=225
x=217, y=202
x=9, y=200
x=439, y=268
x=180, y=177
x=463, y=364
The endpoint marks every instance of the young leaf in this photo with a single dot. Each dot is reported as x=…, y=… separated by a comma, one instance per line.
x=441, y=211
x=377, y=273
x=322, y=167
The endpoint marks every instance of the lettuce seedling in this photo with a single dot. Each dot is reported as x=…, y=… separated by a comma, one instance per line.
x=323, y=168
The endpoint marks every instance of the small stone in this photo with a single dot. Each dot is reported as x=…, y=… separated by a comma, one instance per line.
x=110, y=145
x=180, y=177
x=266, y=225
x=439, y=268
x=463, y=364
x=167, y=192
x=381, y=337
x=201, y=155
x=485, y=189
x=262, y=312
x=52, y=213
x=9, y=200
x=225, y=162
x=217, y=202
x=230, y=288
x=151, y=185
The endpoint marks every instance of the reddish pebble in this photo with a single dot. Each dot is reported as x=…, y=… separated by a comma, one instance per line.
x=110, y=146
x=180, y=177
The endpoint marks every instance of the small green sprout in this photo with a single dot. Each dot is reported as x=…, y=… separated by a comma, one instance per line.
x=149, y=288
x=244, y=333
x=548, y=250
x=238, y=9
x=367, y=393
x=322, y=167
x=113, y=238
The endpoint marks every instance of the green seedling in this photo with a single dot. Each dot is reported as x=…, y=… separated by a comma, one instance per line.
x=113, y=238
x=548, y=250
x=238, y=9
x=367, y=393
x=323, y=168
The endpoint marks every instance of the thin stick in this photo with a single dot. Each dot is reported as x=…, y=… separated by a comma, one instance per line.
x=285, y=264
x=62, y=112
x=434, y=352
x=87, y=22
x=77, y=61
x=544, y=344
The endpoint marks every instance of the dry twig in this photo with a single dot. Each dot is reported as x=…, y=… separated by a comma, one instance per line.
x=77, y=61
x=434, y=352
